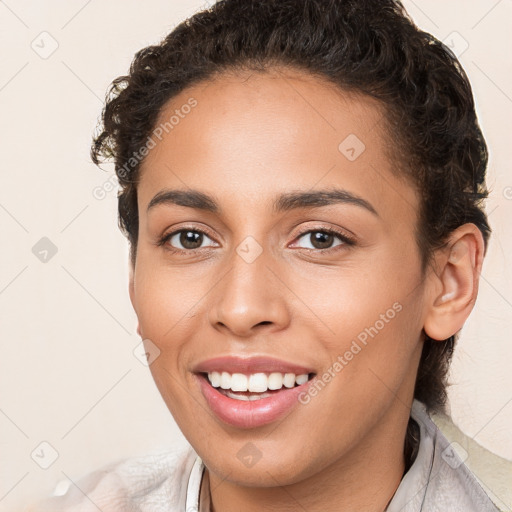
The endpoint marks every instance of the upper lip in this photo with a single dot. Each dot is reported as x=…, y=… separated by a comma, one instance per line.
x=248, y=365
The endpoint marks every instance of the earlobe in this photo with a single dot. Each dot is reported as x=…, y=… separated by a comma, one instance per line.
x=455, y=286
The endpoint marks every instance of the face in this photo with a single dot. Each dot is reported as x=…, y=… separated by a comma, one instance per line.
x=294, y=266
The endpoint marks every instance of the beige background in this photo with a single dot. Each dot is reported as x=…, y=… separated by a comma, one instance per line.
x=68, y=373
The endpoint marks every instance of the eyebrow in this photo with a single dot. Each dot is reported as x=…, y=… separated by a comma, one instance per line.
x=284, y=202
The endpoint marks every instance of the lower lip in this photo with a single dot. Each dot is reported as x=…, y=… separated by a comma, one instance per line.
x=254, y=413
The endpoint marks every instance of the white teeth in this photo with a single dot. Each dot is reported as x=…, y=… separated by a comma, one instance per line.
x=289, y=380
x=258, y=383
x=239, y=382
x=301, y=379
x=275, y=381
x=225, y=380
x=255, y=383
x=247, y=398
x=214, y=379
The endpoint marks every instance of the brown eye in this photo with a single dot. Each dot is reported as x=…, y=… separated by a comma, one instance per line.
x=186, y=240
x=191, y=239
x=323, y=239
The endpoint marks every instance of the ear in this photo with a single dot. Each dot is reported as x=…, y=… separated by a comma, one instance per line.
x=131, y=290
x=455, y=283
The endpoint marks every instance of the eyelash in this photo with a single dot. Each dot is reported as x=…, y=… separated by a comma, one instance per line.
x=347, y=240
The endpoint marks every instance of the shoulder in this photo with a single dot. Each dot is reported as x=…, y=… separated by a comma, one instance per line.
x=127, y=484
x=440, y=478
x=492, y=472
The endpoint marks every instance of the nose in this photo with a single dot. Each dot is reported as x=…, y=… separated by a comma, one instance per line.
x=249, y=298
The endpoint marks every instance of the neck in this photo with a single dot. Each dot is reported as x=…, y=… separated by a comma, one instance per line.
x=364, y=479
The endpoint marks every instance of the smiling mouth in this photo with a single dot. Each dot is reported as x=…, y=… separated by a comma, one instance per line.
x=255, y=386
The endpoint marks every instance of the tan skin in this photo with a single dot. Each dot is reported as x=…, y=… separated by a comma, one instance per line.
x=250, y=138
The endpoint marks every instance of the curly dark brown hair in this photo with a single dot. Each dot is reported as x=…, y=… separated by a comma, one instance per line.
x=365, y=46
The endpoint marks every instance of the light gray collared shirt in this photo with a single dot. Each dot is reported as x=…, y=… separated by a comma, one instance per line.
x=176, y=481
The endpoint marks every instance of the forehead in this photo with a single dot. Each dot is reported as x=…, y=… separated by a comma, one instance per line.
x=250, y=135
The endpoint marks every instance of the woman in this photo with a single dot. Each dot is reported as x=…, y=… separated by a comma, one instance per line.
x=301, y=186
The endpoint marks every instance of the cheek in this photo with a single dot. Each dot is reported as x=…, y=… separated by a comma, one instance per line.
x=165, y=298
x=165, y=303
x=369, y=318
x=376, y=291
